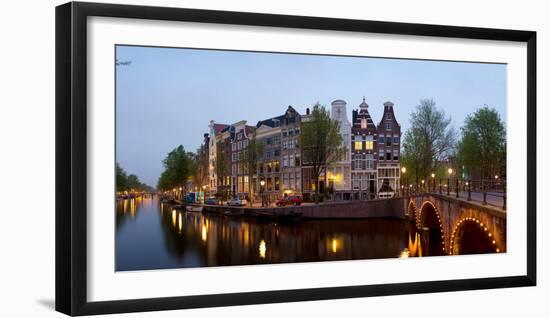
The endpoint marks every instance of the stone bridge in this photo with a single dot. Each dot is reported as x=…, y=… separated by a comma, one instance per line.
x=458, y=225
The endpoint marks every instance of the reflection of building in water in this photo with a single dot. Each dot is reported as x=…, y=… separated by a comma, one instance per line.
x=196, y=239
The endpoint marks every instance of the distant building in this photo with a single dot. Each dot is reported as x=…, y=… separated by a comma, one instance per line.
x=339, y=173
x=290, y=152
x=363, y=154
x=240, y=134
x=368, y=168
x=268, y=133
x=389, y=145
x=215, y=137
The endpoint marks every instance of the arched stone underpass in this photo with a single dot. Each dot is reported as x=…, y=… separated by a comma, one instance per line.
x=455, y=219
x=431, y=229
x=472, y=237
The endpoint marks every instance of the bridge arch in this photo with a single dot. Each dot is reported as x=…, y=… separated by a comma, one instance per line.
x=471, y=236
x=411, y=210
x=429, y=217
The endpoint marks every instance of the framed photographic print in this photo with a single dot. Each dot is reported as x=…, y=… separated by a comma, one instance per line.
x=211, y=158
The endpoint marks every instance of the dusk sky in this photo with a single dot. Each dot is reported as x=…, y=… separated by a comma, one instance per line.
x=167, y=97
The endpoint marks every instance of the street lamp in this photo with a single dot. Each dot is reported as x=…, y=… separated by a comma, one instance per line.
x=449, y=181
x=403, y=171
x=422, y=184
x=262, y=184
x=433, y=181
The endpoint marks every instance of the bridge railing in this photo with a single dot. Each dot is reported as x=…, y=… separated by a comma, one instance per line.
x=486, y=191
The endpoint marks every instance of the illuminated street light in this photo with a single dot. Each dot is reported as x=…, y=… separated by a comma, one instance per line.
x=262, y=183
x=450, y=171
x=403, y=170
x=496, y=177
x=433, y=175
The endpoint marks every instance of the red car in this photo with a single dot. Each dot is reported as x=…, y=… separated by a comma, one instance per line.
x=290, y=200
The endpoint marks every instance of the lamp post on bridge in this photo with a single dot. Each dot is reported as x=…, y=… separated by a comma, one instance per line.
x=433, y=181
x=403, y=171
x=450, y=171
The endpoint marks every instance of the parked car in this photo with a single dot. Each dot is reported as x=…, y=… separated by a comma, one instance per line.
x=290, y=200
x=236, y=202
x=212, y=201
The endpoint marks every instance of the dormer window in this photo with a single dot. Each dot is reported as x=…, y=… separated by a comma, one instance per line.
x=388, y=115
x=363, y=123
x=388, y=126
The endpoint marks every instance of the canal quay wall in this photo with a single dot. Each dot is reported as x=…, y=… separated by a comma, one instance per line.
x=377, y=208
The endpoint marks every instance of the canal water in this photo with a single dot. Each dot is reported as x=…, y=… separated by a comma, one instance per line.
x=151, y=235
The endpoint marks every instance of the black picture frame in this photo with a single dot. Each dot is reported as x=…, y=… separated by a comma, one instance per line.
x=71, y=157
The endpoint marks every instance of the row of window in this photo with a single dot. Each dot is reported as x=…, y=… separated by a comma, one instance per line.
x=239, y=145
x=290, y=144
x=388, y=173
x=273, y=166
x=291, y=160
x=291, y=132
x=291, y=181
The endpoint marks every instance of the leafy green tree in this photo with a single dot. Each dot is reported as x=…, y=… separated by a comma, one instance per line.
x=320, y=143
x=428, y=142
x=251, y=154
x=129, y=182
x=482, y=149
x=177, y=169
x=200, y=167
x=121, y=179
x=133, y=182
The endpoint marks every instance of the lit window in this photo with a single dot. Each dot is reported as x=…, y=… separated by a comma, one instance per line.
x=363, y=123
x=358, y=145
x=368, y=145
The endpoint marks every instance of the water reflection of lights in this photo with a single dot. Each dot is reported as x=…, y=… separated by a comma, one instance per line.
x=262, y=249
x=180, y=222
x=203, y=233
x=174, y=218
x=334, y=245
x=133, y=208
x=405, y=253
x=415, y=247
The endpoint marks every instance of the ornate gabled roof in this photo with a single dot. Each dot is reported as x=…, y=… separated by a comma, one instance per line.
x=358, y=115
x=388, y=108
x=363, y=105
